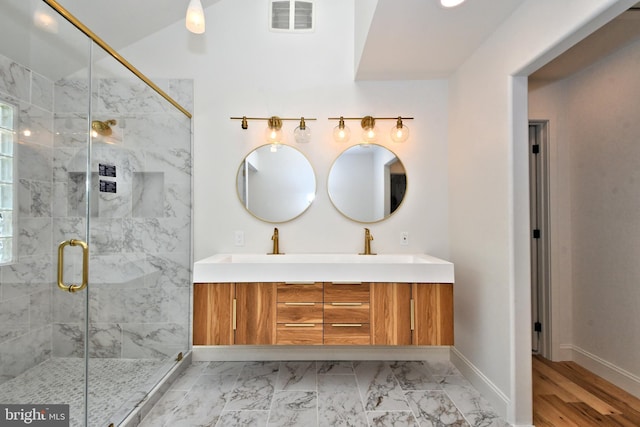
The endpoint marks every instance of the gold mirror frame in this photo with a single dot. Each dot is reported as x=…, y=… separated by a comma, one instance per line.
x=285, y=191
x=352, y=189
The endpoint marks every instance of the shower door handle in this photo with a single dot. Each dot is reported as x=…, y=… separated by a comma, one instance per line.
x=85, y=265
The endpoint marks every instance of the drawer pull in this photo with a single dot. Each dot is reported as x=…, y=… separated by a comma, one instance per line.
x=346, y=283
x=346, y=325
x=347, y=304
x=299, y=303
x=300, y=283
x=299, y=325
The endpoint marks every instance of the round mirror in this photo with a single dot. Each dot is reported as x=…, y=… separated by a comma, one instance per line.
x=276, y=183
x=367, y=183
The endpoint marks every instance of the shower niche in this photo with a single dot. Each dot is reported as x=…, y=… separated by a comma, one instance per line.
x=144, y=194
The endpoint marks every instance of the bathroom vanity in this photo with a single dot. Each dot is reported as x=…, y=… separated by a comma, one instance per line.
x=323, y=299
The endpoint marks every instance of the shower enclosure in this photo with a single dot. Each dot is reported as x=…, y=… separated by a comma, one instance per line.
x=95, y=189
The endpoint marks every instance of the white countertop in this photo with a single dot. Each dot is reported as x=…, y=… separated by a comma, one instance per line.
x=401, y=268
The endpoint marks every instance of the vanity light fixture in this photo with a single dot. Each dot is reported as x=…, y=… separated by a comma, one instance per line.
x=273, y=132
x=399, y=133
x=194, y=20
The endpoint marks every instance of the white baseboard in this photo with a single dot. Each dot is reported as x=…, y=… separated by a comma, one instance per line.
x=607, y=370
x=498, y=400
x=251, y=353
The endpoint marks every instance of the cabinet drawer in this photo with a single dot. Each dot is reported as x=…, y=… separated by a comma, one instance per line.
x=346, y=292
x=299, y=292
x=299, y=312
x=299, y=334
x=346, y=312
x=347, y=334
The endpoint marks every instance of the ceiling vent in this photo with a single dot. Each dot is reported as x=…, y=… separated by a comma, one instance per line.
x=291, y=15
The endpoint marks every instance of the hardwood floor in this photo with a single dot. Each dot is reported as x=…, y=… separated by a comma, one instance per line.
x=565, y=394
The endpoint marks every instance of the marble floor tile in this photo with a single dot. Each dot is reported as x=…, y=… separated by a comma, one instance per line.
x=294, y=408
x=204, y=403
x=223, y=368
x=254, y=388
x=414, y=375
x=473, y=406
x=243, y=419
x=435, y=409
x=189, y=376
x=339, y=403
x=335, y=368
x=163, y=409
x=327, y=394
x=297, y=376
x=379, y=387
x=392, y=419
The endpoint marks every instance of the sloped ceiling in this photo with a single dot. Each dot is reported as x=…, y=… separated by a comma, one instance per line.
x=419, y=39
x=404, y=40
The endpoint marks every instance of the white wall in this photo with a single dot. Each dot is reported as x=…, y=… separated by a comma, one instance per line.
x=241, y=68
x=489, y=193
x=595, y=114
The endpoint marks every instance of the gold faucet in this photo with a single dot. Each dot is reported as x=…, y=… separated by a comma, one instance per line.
x=276, y=243
x=367, y=242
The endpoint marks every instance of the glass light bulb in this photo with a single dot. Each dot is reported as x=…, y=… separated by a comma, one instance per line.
x=370, y=134
x=341, y=134
x=399, y=133
x=273, y=135
x=302, y=136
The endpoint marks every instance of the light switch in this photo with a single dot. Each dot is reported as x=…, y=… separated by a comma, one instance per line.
x=239, y=238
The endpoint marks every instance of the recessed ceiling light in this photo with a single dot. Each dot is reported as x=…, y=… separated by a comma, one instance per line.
x=451, y=3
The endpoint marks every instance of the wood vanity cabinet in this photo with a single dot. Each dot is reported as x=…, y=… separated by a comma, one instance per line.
x=346, y=314
x=412, y=313
x=299, y=314
x=323, y=313
x=234, y=313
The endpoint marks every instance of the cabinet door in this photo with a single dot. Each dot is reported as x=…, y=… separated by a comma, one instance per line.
x=212, y=313
x=255, y=313
x=433, y=313
x=390, y=313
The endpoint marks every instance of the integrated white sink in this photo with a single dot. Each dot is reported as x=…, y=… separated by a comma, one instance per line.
x=410, y=268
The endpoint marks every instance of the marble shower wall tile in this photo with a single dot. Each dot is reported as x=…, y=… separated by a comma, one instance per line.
x=153, y=341
x=129, y=96
x=182, y=91
x=41, y=91
x=24, y=352
x=34, y=198
x=72, y=95
x=14, y=79
x=38, y=122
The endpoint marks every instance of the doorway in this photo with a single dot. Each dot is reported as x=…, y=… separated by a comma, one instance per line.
x=540, y=259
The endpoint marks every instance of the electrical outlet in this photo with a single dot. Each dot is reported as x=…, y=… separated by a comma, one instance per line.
x=404, y=238
x=239, y=238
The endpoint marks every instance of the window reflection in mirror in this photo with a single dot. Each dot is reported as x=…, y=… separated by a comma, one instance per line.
x=276, y=183
x=367, y=183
